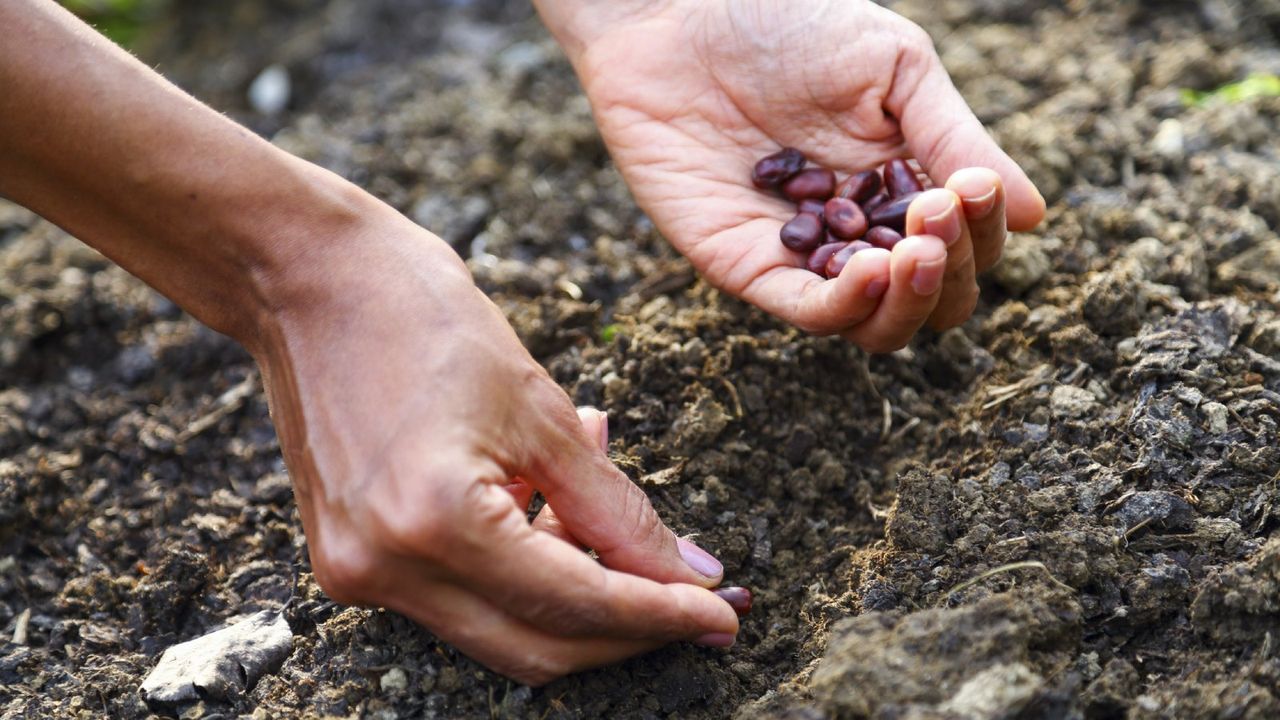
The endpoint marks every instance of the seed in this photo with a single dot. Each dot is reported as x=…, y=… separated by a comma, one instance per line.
x=809, y=205
x=900, y=179
x=818, y=258
x=844, y=218
x=739, y=598
x=859, y=187
x=876, y=201
x=778, y=168
x=883, y=237
x=893, y=214
x=841, y=257
x=816, y=183
x=803, y=233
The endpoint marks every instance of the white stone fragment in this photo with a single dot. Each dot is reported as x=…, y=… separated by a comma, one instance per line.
x=221, y=665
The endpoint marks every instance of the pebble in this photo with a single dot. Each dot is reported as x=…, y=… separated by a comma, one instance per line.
x=1170, y=140
x=269, y=92
x=393, y=680
x=1217, y=414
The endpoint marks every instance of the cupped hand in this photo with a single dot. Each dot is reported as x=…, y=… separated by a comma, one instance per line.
x=688, y=94
x=416, y=428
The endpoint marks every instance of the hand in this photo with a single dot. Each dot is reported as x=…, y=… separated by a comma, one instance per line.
x=416, y=428
x=690, y=93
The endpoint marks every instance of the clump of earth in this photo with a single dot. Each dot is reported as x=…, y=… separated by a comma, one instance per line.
x=1065, y=508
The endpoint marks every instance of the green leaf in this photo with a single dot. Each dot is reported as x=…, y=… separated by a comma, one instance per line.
x=609, y=332
x=1255, y=86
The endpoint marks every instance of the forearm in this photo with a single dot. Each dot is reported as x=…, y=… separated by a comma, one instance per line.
x=195, y=205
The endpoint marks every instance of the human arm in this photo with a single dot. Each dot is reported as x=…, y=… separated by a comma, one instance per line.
x=405, y=406
x=690, y=93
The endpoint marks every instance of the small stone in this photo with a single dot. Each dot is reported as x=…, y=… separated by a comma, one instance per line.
x=1169, y=140
x=221, y=665
x=1069, y=401
x=269, y=92
x=1217, y=415
x=393, y=680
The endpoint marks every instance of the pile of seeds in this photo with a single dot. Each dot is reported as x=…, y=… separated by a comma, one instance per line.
x=836, y=220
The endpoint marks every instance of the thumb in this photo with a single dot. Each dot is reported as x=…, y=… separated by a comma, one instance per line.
x=945, y=136
x=601, y=508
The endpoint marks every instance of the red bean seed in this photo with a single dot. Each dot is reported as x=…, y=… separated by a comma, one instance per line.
x=809, y=205
x=893, y=214
x=860, y=187
x=900, y=179
x=803, y=233
x=816, y=183
x=883, y=237
x=876, y=201
x=777, y=168
x=739, y=598
x=841, y=258
x=845, y=219
x=818, y=258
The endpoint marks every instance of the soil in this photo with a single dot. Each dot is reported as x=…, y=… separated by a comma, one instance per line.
x=1066, y=508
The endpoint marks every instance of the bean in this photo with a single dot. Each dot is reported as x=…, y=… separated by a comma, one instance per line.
x=777, y=168
x=841, y=257
x=900, y=179
x=809, y=205
x=876, y=201
x=893, y=214
x=845, y=219
x=859, y=187
x=803, y=233
x=818, y=258
x=739, y=598
x=883, y=237
x=816, y=183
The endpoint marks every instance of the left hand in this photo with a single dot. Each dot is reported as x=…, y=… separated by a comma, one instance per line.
x=688, y=94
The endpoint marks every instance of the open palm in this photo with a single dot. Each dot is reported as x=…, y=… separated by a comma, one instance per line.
x=688, y=95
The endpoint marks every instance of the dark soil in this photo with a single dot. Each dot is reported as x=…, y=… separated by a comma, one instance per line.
x=1066, y=508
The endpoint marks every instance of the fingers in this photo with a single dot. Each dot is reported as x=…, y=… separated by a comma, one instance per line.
x=939, y=213
x=604, y=510
x=982, y=194
x=596, y=423
x=561, y=590
x=917, y=265
x=828, y=307
x=503, y=643
x=943, y=133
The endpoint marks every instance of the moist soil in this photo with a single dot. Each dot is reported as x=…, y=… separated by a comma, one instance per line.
x=1065, y=508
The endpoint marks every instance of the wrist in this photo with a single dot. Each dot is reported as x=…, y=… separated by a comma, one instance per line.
x=576, y=24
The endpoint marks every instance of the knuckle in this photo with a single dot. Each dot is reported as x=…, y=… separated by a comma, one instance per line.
x=537, y=670
x=915, y=41
x=345, y=571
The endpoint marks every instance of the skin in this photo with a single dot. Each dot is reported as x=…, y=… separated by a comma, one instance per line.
x=415, y=447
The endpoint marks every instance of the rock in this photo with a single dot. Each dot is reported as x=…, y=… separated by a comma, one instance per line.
x=1216, y=414
x=978, y=657
x=1169, y=140
x=221, y=665
x=393, y=680
x=269, y=92
x=1023, y=265
x=1069, y=401
x=1000, y=691
x=1157, y=508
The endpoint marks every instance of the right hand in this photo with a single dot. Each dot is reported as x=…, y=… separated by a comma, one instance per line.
x=411, y=419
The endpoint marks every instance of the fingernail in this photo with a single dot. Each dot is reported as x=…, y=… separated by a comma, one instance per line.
x=716, y=640
x=700, y=560
x=739, y=598
x=928, y=276
x=944, y=225
x=604, y=430
x=980, y=207
x=876, y=287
